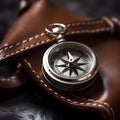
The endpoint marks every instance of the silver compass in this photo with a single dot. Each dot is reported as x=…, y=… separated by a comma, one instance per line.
x=68, y=65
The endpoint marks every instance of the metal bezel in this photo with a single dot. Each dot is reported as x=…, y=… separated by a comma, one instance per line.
x=51, y=75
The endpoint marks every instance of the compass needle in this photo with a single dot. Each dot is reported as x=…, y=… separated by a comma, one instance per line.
x=70, y=57
x=63, y=60
x=79, y=68
x=70, y=72
x=80, y=64
x=75, y=71
x=65, y=70
x=77, y=59
x=64, y=65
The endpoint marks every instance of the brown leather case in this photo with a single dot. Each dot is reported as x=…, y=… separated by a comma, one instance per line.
x=27, y=43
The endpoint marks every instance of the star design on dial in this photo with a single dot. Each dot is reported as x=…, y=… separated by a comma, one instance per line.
x=72, y=65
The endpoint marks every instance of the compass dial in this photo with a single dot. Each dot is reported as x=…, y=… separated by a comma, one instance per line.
x=69, y=63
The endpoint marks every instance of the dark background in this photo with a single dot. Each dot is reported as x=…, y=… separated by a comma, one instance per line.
x=32, y=103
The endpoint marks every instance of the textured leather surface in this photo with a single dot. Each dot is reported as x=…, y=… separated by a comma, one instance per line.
x=115, y=52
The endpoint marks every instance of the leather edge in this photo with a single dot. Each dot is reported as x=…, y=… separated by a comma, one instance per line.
x=83, y=103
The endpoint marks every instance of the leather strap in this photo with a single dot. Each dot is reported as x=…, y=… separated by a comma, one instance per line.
x=90, y=28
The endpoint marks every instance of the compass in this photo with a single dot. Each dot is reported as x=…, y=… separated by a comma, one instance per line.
x=69, y=65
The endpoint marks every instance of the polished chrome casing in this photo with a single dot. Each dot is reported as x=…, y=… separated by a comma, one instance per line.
x=70, y=84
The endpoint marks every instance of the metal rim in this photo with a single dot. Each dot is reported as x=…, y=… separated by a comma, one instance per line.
x=59, y=78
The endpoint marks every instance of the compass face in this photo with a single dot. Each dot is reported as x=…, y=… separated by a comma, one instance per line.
x=69, y=63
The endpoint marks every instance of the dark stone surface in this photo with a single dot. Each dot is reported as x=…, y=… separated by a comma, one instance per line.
x=32, y=103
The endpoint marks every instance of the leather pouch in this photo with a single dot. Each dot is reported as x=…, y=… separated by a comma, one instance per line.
x=26, y=42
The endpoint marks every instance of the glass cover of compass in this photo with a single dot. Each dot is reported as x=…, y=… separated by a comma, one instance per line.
x=69, y=63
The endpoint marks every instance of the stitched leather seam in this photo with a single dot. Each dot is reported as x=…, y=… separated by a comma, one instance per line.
x=28, y=47
x=19, y=43
x=87, y=102
x=89, y=31
x=85, y=23
x=11, y=79
x=38, y=43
